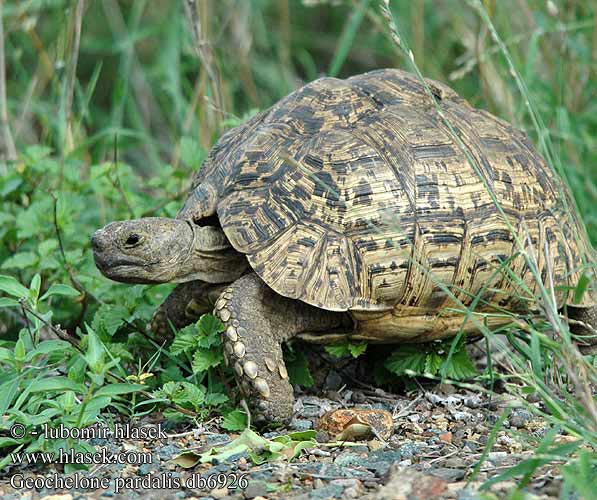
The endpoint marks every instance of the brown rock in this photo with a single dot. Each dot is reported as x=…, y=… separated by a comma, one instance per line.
x=356, y=423
x=446, y=437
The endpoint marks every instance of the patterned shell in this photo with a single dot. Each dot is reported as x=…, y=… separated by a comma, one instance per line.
x=356, y=195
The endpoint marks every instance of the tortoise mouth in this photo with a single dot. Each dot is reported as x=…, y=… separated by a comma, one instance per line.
x=123, y=269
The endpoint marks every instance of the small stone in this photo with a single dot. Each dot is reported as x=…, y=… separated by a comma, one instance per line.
x=217, y=439
x=449, y=475
x=219, y=492
x=446, y=437
x=414, y=485
x=146, y=469
x=329, y=491
x=333, y=381
x=255, y=489
x=353, y=488
x=357, y=423
x=301, y=424
x=167, y=452
x=520, y=418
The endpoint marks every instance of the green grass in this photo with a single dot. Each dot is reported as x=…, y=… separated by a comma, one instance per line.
x=115, y=129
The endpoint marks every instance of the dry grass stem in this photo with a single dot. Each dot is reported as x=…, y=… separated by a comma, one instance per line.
x=206, y=56
x=72, y=74
x=8, y=151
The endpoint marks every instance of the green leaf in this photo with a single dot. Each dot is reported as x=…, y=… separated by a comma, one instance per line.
x=461, y=367
x=95, y=354
x=12, y=287
x=209, y=328
x=6, y=302
x=338, y=350
x=185, y=340
x=433, y=363
x=55, y=384
x=580, y=475
x=20, y=351
x=235, y=420
x=8, y=391
x=109, y=318
x=407, y=358
x=215, y=398
x=247, y=441
x=21, y=260
x=357, y=349
x=187, y=459
x=34, y=288
x=204, y=359
x=95, y=405
x=183, y=393
x=6, y=354
x=60, y=289
x=47, y=347
x=297, y=366
x=45, y=248
x=118, y=389
x=581, y=288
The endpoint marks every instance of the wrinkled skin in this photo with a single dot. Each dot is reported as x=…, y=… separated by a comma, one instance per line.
x=160, y=250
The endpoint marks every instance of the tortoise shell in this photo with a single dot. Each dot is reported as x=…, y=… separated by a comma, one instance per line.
x=358, y=195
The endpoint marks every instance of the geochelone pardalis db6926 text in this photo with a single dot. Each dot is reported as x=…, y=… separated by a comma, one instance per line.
x=347, y=211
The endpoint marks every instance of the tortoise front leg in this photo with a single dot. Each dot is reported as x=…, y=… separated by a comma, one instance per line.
x=185, y=305
x=257, y=321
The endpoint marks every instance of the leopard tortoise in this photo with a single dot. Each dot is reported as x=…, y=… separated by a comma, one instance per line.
x=354, y=209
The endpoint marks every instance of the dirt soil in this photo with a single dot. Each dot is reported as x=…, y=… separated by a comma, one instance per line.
x=439, y=436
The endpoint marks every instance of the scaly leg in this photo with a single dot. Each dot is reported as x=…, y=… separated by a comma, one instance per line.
x=257, y=321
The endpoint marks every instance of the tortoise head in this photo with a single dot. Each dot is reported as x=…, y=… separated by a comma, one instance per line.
x=160, y=250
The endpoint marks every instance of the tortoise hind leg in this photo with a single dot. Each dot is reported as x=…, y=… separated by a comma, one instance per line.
x=584, y=324
x=257, y=321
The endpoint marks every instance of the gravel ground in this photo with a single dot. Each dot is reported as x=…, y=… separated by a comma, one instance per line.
x=439, y=435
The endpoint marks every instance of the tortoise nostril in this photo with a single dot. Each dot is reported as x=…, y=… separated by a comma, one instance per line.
x=96, y=241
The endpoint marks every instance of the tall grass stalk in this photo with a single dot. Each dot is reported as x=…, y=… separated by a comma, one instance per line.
x=576, y=413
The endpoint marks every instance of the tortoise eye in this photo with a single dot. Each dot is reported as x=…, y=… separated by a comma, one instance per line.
x=132, y=240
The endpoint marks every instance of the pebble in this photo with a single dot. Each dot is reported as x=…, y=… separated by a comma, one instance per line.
x=301, y=424
x=219, y=493
x=446, y=437
x=217, y=439
x=255, y=489
x=519, y=418
x=447, y=474
x=329, y=491
x=168, y=452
